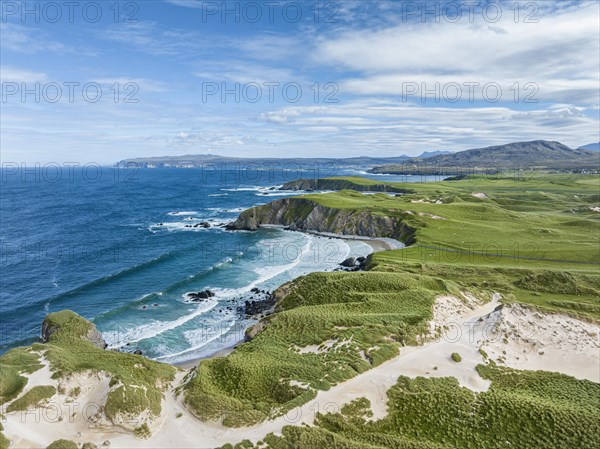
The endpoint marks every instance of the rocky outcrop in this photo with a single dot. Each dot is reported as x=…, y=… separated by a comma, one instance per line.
x=340, y=184
x=69, y=324
x=301, y=214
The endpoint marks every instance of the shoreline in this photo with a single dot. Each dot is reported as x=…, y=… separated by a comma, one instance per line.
x=377, y=244
x=193, y=363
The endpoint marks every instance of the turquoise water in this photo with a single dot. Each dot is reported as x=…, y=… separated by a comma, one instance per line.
x=122, y=250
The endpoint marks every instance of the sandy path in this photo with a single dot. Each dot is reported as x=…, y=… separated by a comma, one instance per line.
x=186, y=431
x=463, y=333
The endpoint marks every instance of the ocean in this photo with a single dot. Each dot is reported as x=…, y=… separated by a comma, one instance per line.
x=123, y=247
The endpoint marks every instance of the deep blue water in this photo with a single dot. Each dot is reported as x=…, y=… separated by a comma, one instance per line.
x=119, y=247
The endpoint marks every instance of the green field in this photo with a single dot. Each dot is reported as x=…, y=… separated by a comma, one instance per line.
x=536, y=241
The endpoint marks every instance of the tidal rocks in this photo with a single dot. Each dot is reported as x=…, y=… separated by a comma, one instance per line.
x=349, y=262
x=352, y=264
x=200, y=296
x=254, y=307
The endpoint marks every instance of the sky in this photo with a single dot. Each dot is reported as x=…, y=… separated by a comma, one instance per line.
x=105, y=81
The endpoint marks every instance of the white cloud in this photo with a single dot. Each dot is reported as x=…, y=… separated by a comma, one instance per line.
x=19, y=38
x=16, y=75
x=561, y=53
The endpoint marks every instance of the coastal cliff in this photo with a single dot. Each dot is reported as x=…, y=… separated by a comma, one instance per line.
x=302, y=214
x=340, y=184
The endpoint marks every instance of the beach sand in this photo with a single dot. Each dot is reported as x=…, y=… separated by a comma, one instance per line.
x=177, y=427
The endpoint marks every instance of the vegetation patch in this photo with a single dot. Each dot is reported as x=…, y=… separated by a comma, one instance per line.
x=32, y=398
x=524, y=409
x=12, y=365
x=370, y=314
x=63, y=444
x=528, y=239
x=137, y=383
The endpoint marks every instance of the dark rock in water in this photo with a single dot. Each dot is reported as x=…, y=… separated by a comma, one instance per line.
x=349, y=262
x=265, y=193
x=273, y=188
x=138, y=352
x=155, y=305
x=252, y=308
x=255, y=290
x=144, y=307
x=362, y=263
x=201, y=295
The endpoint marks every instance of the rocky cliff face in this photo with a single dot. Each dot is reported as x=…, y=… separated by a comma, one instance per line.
x=339, y=184
x=302, y=214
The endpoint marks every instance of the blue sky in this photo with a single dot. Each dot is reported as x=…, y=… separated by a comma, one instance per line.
x=370, y=63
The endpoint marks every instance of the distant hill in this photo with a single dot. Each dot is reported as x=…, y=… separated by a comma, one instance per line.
x=200, y=160
x=591, y=147
x=427, y=154
x=522, y=155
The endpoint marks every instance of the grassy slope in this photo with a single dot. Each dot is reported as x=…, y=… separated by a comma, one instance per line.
x=377, y=312
x=525, y=410
x=137, y=382
x=546, y=217
x=543, y=218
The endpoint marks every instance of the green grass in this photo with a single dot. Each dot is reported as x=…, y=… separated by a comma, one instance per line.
x=63, y=444
x=522, y=409
x=544, y=217
x=4, y=442
x=12, y=365
x=456, y=357
x=138, y=383
x=369, y=315
x=32, y=398
x=534, y=240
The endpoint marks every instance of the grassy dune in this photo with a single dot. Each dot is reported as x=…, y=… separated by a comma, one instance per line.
x=137, y=383
x=514, y=239
x=525, y=410
x=366, y=317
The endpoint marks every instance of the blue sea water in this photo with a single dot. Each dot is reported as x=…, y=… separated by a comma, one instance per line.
x=119, y=247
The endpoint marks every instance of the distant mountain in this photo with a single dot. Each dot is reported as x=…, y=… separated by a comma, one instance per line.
x=427, y=154
x=591, y=147
x=200, y=160
x=536, y=153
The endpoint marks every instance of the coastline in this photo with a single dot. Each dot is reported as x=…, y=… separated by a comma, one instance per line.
x=193, y=363
x=377, y=244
